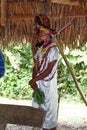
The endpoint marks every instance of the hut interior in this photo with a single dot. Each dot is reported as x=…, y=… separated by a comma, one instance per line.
x=16, y=20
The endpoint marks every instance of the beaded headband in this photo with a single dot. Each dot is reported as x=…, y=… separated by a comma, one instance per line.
x=44, y=28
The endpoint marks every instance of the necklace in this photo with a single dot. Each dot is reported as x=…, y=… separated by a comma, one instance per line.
x=46, y=46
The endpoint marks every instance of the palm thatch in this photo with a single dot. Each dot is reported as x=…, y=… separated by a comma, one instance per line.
x=16, y=20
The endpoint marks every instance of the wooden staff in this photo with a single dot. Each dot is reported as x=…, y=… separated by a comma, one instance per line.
x=74, y=78
x=67, y=63
x=3, y=12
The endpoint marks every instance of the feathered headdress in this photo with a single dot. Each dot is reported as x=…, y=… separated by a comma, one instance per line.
x=42, y=23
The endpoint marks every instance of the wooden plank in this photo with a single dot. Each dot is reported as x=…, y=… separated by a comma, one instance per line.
x=19, y=16
x=3, y=12
x=23, y=115
x=70, y=16
x=67, y=2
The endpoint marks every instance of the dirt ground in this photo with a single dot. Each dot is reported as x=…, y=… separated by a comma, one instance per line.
x=71, y=116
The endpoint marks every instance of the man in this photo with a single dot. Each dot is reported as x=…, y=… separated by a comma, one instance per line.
x=44, y=75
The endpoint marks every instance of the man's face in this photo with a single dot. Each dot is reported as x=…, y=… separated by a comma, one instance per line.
x=43, y=36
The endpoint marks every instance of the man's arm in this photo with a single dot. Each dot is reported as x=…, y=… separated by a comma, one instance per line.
x=45, y=73
x=42, y=75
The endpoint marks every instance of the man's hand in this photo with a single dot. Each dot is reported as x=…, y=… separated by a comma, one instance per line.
x=33, y=84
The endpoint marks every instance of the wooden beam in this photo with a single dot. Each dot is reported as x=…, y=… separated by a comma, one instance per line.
x=19, y=16
x=67, y=2
x=70, y=16
x=3, y=12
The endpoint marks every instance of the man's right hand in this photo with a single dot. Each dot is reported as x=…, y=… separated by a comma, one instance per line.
x=33, y=84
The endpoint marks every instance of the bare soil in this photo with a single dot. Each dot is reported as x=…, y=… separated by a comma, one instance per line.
x=72, y=116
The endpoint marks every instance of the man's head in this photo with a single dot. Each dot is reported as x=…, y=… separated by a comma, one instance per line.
x=44, y=36
x=42, y=19
x=41, y=31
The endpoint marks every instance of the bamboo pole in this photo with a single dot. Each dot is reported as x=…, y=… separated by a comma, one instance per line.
x=74, y=78
x=3, y=12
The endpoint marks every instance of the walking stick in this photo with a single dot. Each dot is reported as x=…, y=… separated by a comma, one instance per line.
x=74, y=78
x=68, y=66
x=58, y=106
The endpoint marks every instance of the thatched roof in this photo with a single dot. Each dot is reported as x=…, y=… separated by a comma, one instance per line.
x=16, y=19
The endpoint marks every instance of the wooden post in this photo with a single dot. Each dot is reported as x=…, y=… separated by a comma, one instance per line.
x=2, y=126
x=45, y=7
x=3, y=12
x=70, y=70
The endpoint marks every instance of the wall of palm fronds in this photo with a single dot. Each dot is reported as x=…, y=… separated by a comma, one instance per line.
x=16, y=21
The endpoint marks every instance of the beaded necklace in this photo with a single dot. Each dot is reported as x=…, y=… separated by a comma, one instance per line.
x=40, y=52
x=46, y=46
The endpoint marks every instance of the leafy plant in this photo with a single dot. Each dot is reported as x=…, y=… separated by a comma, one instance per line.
x=78, y=63
x=18, y=68
x=18, y=71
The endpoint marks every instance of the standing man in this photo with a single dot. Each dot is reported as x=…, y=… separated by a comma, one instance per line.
x=44, y=72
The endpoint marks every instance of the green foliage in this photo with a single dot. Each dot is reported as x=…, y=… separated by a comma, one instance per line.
x=39, y=96
x=78, y=62
x=18, y=70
